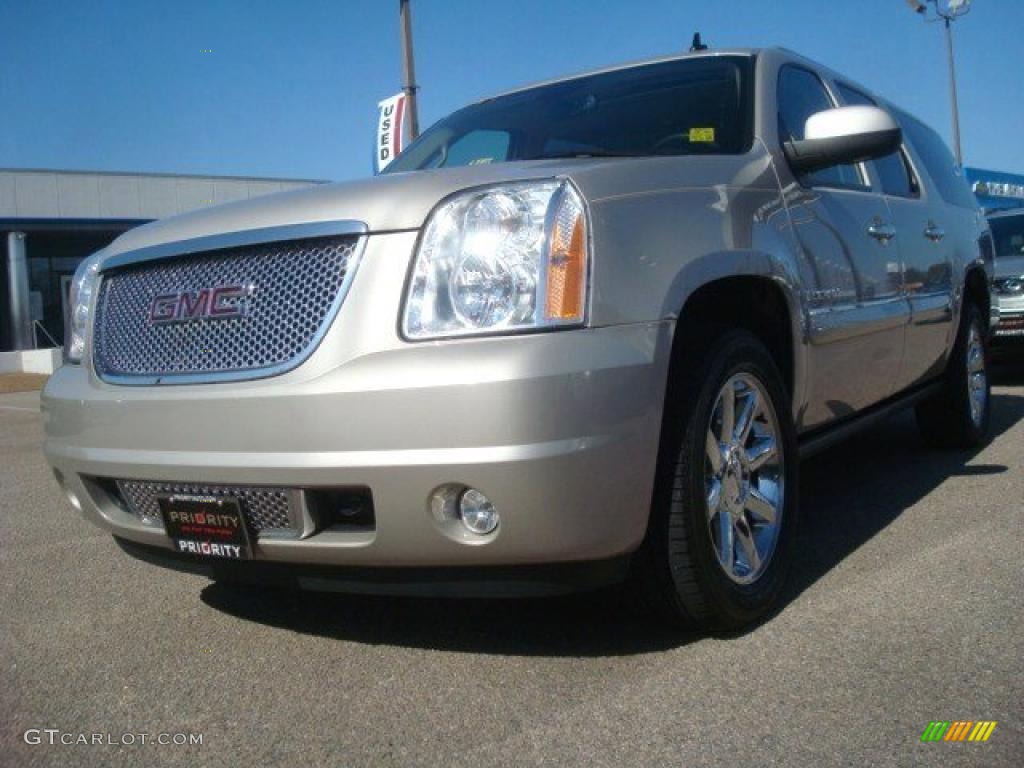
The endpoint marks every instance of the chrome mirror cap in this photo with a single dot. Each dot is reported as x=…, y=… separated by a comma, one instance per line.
x=843, y=135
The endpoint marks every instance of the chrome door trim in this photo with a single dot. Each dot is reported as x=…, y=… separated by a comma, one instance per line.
x=930, y=308
x=234, y=240
x=829, y=324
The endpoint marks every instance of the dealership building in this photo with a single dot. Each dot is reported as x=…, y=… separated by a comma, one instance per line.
x=51, y=220
x=995, y=190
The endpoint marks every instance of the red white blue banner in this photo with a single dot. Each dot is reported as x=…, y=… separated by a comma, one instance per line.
x=392, y=130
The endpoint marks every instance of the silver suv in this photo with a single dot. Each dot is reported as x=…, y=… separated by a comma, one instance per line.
x=577, y=334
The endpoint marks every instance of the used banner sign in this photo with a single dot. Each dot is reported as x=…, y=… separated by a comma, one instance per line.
x=392, y=130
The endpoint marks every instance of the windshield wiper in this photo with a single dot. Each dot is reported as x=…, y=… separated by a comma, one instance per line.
x=587, y=153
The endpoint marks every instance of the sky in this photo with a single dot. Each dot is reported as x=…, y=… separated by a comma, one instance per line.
x=289, y=88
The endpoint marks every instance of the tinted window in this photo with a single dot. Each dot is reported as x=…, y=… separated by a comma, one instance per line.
x=854, y=98
x=800, y=94
x=893, y=170
x=895, y=175
x=938, y=160
x=685, y=107
x=1008, y=233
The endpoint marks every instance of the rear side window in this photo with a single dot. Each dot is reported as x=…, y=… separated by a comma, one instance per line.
x=937, y=158
x=893, y=170
x=800, y=94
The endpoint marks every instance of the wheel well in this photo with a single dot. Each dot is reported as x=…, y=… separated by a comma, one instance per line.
x=976, y=290
x=755, y=304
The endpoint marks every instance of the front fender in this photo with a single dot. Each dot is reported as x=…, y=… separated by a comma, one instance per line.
x=653, y=250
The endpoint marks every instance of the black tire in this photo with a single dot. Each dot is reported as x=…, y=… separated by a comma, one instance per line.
x=676, y=573
x=945, y=420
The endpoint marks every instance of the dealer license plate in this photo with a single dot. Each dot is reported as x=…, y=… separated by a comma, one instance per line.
x=209, y=526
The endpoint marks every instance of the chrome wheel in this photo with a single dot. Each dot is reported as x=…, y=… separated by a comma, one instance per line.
x=977, y=375
x=744, y=478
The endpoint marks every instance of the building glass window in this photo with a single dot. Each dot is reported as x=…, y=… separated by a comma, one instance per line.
x=52, y=261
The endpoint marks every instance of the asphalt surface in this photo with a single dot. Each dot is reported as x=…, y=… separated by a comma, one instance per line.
x=906, y=607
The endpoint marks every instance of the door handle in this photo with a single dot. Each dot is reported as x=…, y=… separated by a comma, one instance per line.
x=934, y=233
x=883, y=233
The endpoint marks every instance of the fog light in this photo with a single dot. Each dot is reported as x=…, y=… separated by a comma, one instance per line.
x=476, y=512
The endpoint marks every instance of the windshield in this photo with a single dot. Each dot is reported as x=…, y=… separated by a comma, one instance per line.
x=1008, y=233
x=684, y=107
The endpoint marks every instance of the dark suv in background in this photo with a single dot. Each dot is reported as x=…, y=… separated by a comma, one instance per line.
x=1008, y=287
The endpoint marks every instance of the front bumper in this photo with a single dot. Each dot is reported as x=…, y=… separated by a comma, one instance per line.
x=1010, y=313
x=560, y=430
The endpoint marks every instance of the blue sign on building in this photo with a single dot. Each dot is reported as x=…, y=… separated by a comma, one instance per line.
x=995, y=190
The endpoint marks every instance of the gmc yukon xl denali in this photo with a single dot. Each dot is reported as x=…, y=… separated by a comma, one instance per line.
x=578, y=334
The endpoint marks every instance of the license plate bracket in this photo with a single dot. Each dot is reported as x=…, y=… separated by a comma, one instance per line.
x=207, y=526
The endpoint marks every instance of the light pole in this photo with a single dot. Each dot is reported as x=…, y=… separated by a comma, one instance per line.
x=947, y=11
x=408, y=68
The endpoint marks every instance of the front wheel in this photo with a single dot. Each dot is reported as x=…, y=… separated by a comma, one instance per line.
x=724, y=513
x=958, y=415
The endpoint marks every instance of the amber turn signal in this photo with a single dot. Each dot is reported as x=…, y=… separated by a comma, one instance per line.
x=567, y=262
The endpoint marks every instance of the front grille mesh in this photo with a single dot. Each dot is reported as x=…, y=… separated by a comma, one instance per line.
x=293, y=287
x=265, y=509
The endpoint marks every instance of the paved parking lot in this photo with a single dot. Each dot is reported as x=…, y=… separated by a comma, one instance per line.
x=907, y=606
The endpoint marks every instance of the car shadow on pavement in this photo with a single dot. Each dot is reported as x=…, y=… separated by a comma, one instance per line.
x=852, y=492
x=1008, y=366
x=579, y=625
x=848, y=495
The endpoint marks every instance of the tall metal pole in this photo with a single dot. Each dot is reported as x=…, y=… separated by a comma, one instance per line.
x=409, y=69
x=949, y=11
x=952, y=93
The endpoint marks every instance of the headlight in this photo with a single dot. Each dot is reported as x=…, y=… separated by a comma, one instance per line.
x=83, y=285
x=501, y=259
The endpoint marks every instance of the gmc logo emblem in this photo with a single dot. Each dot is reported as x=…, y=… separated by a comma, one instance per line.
x=220, y=303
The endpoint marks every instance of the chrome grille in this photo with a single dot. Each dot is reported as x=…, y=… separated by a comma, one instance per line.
x=265, y=509
x=294, y=290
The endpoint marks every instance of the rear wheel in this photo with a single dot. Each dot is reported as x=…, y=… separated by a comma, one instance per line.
x=958, y=415
x=718, y=544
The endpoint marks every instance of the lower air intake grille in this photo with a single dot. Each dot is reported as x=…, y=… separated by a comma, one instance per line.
x=265, y=509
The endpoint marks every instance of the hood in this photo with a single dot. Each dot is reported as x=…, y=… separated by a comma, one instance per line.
x=387, y=203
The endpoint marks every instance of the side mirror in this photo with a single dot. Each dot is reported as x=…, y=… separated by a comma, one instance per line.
x=841, y=136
